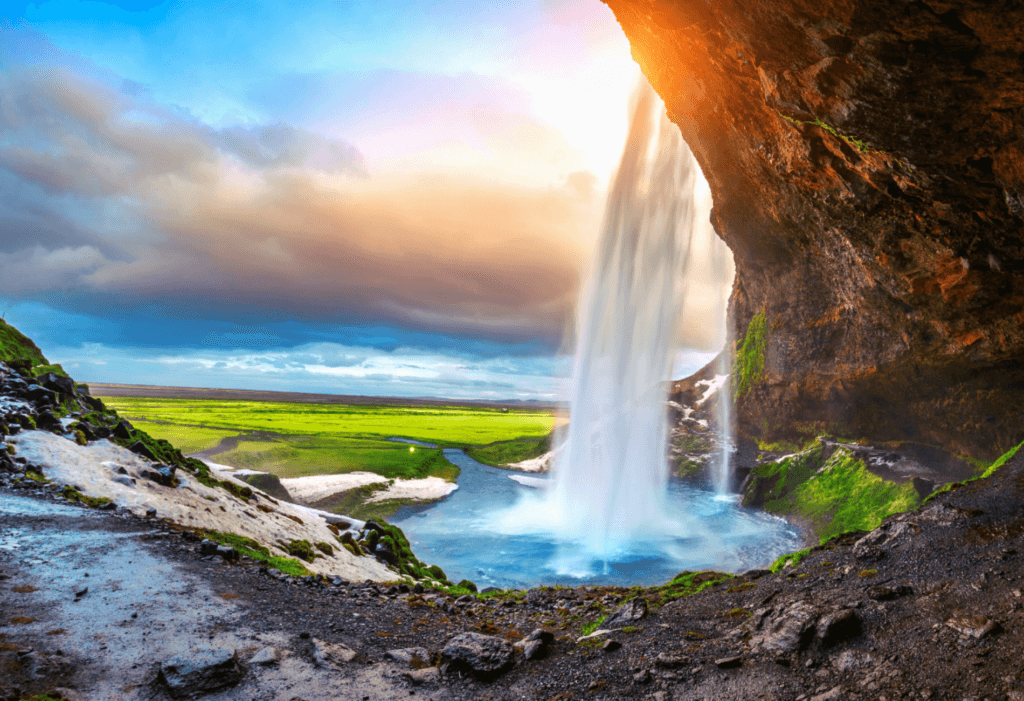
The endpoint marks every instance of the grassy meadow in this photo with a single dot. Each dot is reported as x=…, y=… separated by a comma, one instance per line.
x=299, y=439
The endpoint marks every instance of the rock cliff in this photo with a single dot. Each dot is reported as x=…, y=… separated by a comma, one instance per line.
x=866, y=159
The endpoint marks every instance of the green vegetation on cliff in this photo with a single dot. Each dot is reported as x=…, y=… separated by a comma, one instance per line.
x=846, y=496
x=834, y=491
x=748, y=366
x=17, y=349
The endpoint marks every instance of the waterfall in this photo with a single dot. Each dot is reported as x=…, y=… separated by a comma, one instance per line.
x=610, y=479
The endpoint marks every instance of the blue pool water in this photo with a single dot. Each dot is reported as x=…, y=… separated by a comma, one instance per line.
x=496, y=530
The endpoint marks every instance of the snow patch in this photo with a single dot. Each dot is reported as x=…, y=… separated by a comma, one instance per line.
x=94, y=470
x=534, y=482
x=713, y=386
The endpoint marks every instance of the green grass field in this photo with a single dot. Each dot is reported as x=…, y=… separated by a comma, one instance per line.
x=294, y=440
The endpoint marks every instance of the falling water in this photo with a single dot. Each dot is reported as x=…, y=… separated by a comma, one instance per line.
x=723, y=468
x=610, y=480
x=609, y=513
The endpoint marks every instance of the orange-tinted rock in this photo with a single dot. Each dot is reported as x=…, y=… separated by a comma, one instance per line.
x=866, y=159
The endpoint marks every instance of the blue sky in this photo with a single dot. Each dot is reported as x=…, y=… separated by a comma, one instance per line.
x=386, y=198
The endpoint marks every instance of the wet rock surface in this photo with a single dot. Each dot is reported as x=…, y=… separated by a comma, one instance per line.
x=939, y=615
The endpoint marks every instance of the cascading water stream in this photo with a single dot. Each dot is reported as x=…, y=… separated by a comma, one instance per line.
x=609, y=512
x=610, y=479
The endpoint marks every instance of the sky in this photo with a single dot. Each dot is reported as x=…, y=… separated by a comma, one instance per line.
x=378, y=198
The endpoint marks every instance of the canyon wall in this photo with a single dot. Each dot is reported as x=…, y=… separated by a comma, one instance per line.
x=866, y=159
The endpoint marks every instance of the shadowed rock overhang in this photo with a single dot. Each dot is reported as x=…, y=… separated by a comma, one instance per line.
x=867, y=164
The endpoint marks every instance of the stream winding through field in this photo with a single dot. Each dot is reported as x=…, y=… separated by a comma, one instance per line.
x=486, y=531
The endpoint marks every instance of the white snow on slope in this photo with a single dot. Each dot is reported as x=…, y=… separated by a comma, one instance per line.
x=95, y=471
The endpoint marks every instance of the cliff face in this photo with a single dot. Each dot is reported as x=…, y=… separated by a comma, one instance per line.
x=866, y=159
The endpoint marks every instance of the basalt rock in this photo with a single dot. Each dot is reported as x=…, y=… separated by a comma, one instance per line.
x=866, y=160
x=483, y=656
x=201, y=671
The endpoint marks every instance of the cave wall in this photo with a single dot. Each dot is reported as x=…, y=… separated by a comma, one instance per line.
x=867, y=164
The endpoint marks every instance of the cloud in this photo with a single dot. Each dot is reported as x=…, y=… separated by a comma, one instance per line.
x=120, y=195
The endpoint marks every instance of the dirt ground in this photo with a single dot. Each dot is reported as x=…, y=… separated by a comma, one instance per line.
x=927, y=606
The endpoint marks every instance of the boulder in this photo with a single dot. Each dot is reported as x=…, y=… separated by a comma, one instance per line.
x=383, y=552
x=122, y=430
x=57, y=383
x=413, y=656
x=627, y=614
x=534, y=650
x=40, y=395
x=669, y=661
x=227, y=554
x=162, y=475
x=201, y=671
x=791, y=630
x=974, y=625
x=729, y=662
x=267, y=657
x=483, y=656
x=46, y=421
x=331, y=654
x=142, y=450
x=838, y=627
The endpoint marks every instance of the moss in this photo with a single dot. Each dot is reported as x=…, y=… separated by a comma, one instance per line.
x=301, y=549
x=288, y=566
x=325, y=548
x=839, y=496
x=466, y=584
x=846, y=496
x=72, y=494
x=988, y=472
x=689, y=583
x=36, y=477
x=406, y=562
x=774, y=481
x=591, y=627
x=80, y=437
x=816, y=122
x=1001, y=460
x=251, y=548
x=793, y=559
x=866, y=574
x=748, y=365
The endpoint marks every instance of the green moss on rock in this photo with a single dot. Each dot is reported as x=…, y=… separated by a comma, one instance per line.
x=301, y=549
x=748, y=366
